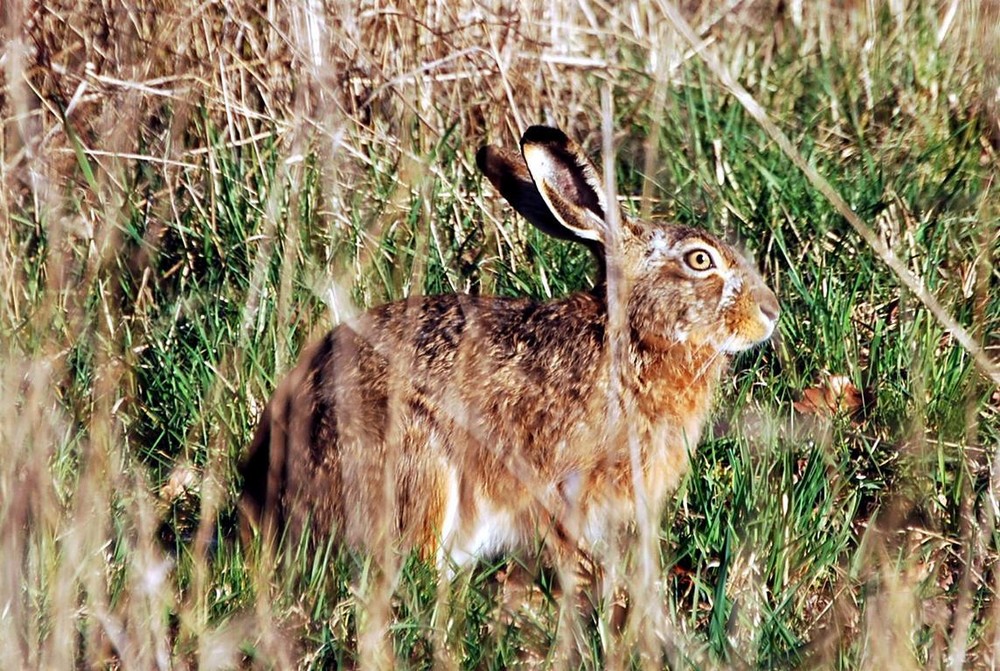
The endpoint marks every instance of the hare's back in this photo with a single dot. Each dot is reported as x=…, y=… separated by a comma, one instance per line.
x=451, y=354
x=421, y=391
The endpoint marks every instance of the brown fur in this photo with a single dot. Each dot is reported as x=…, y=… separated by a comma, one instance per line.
x=482, y=422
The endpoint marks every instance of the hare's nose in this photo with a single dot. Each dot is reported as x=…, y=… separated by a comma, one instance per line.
x=768, y=304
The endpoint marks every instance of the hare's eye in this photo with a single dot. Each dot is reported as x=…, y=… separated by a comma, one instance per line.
x=699, y=259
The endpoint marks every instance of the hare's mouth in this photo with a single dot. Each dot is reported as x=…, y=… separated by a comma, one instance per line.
x=768, y=330
x=751, y=333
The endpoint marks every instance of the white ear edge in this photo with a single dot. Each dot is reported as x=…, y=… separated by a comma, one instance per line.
x=591, y=234
x=540, y=165
x=593, y=180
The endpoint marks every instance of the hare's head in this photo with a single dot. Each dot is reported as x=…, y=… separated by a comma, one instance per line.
x=684, y=286
x=690, y=287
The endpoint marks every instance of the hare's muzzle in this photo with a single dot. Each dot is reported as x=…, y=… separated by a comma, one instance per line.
x=767, y=306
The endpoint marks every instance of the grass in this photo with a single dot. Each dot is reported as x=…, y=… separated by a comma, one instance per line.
x=182, y=217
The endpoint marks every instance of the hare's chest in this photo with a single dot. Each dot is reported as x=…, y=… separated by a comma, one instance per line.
x=668, y=449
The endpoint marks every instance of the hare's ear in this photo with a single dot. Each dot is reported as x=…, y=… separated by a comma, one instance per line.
x=567, y=181
x=508, y=175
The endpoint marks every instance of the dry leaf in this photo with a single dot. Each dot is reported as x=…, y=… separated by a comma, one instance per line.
x=182, y=480
x=835, y=394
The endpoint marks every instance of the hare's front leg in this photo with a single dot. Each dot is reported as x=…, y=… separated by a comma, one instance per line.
x=450, y=558
x=477, y=526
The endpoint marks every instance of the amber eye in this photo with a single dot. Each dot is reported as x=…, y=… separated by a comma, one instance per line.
x=699, y=259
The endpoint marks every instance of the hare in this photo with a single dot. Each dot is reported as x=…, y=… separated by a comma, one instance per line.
x=465, y=426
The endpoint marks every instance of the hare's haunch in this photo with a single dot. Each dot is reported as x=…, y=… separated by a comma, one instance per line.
x=467, y=426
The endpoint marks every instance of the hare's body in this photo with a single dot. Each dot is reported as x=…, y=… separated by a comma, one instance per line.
x=474, y=414
x=468, y=426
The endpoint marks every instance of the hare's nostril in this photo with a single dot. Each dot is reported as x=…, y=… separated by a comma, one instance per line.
x=769, y=307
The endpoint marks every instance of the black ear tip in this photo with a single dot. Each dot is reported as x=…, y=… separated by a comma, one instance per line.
x=544, y=135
